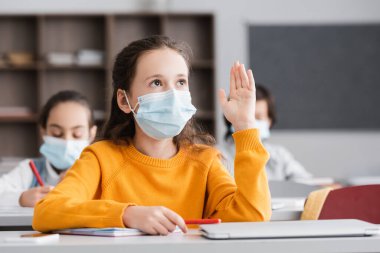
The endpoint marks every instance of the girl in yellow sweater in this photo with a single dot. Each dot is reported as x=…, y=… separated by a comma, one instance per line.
x=153, y=169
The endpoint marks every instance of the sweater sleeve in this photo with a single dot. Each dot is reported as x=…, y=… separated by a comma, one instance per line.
x=74, y=202
x=249, y=198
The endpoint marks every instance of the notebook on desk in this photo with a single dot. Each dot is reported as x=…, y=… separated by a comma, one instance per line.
x=289, y=229
x=108, y=232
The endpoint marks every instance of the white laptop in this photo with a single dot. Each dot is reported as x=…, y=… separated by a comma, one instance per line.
x=289, y=229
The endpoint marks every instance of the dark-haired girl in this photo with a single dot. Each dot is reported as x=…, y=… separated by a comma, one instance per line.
x=154, y=168
x=67, y=127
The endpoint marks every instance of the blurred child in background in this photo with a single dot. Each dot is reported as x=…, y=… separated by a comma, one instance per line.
x=67, y=127
x=281, y=165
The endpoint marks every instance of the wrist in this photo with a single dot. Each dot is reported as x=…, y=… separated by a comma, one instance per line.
x=244, y=125
x=128, y=216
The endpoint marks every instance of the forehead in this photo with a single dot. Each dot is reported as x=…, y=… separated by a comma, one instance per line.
x=163, y=61
x=69, y=114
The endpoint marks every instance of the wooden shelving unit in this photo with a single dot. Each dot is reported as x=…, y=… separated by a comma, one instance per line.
x=29, y=86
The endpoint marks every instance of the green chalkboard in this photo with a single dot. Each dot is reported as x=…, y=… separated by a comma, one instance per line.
x=321, y=76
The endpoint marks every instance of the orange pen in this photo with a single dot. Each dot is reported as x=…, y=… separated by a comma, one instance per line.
x=202, y=221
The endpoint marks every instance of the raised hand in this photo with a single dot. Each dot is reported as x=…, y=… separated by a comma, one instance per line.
x=240, y=108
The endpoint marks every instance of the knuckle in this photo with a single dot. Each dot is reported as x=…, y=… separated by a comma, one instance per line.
x=157, y=213
x=171, y=227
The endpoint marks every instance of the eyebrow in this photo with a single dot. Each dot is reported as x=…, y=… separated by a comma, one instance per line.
x=59, y=127
x=158, y=75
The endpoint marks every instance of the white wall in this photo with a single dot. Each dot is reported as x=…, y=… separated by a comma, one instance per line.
x=352, y=152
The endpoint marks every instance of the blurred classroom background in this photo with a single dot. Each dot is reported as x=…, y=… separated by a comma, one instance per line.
x=321, y=60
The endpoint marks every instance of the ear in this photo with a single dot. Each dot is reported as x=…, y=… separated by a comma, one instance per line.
x=93, y=130
x=122, y=101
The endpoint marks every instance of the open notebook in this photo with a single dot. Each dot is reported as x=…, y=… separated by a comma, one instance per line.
x=110, y=232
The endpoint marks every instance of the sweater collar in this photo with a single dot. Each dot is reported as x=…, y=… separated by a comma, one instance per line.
x=136, y=155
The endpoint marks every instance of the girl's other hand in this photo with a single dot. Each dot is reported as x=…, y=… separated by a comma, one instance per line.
x=154, y=220
x=30, y=197
x=239, y=109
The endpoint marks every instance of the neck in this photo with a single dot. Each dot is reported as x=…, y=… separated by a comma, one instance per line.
x=163, y=149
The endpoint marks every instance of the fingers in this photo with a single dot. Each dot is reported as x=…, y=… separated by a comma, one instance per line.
x=244, y=76
x=161, y=229
x=149, y=230
x=168, y=225
x=252, y=85
x=46, y=189
x=232, y=81
x=153, y=220
x=237, y=75
x=175, y=219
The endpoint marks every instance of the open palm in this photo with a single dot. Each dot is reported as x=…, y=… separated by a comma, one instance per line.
x=239, y=109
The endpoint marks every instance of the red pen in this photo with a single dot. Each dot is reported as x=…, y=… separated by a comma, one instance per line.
x=202, y=221
x=35, y=172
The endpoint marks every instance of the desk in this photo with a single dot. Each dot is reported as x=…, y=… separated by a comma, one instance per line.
x=191, y=242
x=20, y=218
x=286, y=213
x=15, y=218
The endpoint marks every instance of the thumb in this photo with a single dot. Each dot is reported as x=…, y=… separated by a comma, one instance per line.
x=222, y=98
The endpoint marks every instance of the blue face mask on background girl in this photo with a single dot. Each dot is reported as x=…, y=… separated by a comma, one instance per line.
x=163, y=115
x=263, y=126
x=62, y=153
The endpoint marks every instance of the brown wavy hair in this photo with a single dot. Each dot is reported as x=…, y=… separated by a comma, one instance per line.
x=120, y=127
x=64, y=97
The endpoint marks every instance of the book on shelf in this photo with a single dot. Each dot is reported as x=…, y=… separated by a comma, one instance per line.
x=60, y=59
x=15, y=111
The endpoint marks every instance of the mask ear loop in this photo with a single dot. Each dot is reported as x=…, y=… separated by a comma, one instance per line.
x=130, y=107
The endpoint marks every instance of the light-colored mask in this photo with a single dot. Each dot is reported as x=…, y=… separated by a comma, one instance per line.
x=163, y=115
x=263, y=127
x=62, y=153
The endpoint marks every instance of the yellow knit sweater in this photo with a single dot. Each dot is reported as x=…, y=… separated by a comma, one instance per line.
x=108, y=178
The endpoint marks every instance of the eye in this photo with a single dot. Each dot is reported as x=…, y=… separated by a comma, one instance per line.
x=182, y=82
x=57, y=134
x=155, y=83
x=78, y=135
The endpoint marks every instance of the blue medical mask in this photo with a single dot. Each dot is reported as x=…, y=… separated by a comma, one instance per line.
x=62, y=153
x=163, y=115
x=263, y=127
